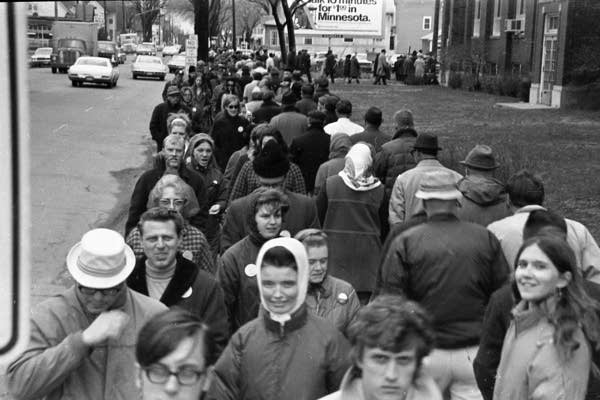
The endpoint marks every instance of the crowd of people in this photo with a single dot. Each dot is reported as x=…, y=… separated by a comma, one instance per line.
x=277, y=249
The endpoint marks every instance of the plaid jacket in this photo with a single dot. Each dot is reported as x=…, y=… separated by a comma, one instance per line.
x=193, y=246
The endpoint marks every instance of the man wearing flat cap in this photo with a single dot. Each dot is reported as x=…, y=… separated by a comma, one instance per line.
x=82, y=343
x=403, y=202
x=451, y=268
x=484, y=197
x=160, y=114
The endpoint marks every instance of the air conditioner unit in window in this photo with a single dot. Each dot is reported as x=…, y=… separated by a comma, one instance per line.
x=514, y=25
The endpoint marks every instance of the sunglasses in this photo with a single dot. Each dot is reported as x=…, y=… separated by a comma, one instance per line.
x=230, y=107
x=88, y=291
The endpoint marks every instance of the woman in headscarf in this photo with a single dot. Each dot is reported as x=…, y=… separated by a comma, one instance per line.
x=338, y=148
x=200, y=158
x=328, y=297
x=201, y=110
x=238, y=279
x=349, y=205
x=286, y=352
x=173, y=193
x=247, y=181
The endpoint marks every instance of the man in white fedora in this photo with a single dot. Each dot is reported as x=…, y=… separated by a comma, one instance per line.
x=82, y=343
x=451, y=268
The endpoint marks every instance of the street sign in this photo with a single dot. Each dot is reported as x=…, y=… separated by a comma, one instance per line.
x=14, y=182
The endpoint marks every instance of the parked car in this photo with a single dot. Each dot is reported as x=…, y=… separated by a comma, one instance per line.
x=41, y=57
x=129, y=48
x=176, y=62
x=149, y=66
x=146, y=49
x=171, y=50
x=108, y=50
x=365, y=64
x=93, y=70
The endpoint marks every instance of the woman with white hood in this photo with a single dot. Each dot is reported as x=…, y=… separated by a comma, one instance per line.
x=350, y=205
x=286, y=352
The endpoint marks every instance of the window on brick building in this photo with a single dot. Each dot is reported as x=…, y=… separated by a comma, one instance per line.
x=274, y=39
x=426, y=23
x=477, y=19
x=496, y=27
x=348, y=40
x=307, y=40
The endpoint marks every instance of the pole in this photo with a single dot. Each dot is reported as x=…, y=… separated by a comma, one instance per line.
x=106, y=21
x=123, y=30
x=233, y=25
x=56, y=10
x=436, y=27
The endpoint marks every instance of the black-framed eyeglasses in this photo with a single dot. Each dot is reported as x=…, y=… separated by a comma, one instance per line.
x=185, y=375
x=233, y=107
x=172, y=202
x=88, y=291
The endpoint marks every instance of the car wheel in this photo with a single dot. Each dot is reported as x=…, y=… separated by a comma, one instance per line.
x=53, y=70
x=74, y=83
x=114, y=83
x=134, y=76
x=162, y=77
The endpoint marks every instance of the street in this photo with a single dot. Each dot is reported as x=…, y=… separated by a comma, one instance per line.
x=88, y=145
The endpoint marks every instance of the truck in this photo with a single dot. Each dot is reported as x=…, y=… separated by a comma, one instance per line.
x=72, y=39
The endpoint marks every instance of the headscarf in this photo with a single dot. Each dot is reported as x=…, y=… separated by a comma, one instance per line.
x=299, y=252
x=357, y=173
x=339, y=145
x=195, y=141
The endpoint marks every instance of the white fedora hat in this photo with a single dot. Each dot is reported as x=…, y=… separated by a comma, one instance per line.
x=440, y=185
x=101, y=260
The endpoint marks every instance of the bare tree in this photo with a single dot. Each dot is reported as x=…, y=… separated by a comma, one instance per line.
x=148, y=11
x=248, y=17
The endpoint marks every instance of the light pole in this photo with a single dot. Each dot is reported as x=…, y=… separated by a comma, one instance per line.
x=233, y=25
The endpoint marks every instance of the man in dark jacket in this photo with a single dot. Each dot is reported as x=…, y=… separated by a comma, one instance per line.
x=170, y=160
x=268, y=109
x=330, y=63
x=177, y=82
x=165, y=275
x=498, y=313
x=304, y=64
x=306, y=104
x=160, y=114
x=451, y=268
x=290, y=122
x=302, y=209
x=372, y=134
x=327, y=105
x=484, y=197
x=311, y=150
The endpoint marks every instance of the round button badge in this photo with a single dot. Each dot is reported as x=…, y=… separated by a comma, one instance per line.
x=251, y=270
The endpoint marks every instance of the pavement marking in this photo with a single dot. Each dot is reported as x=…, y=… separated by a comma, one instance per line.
x=59, y=128
x=89, y=109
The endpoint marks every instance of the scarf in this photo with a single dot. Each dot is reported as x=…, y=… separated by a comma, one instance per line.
x=357, y=171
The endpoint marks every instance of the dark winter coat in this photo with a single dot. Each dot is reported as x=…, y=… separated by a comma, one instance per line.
x=347, y=67
x=309, y=151
x=451, y=268
x=352, y=223
x=354, y=68
x=484, y=200
x=147, y=181
x=192, y=289
x=266, y=111
x=330, y=64
x=302, y=214
x=158, y=121
x=227, y=132
x=304, y=359
x=373, y=136
x=306, y=104
x=395, y=158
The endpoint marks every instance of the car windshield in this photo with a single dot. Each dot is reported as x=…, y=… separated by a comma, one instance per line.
x=178, y=58
x=149, y=60
x=92, y=61
x=46, y=50
x=106, y=47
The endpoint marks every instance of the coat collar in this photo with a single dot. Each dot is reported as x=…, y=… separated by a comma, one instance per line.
x=325, y=288
x=297, y=321
x=183, y=278
x=529, y=208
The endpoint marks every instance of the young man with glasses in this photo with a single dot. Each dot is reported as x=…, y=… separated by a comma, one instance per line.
x=82, y=340
x=166, y=275
x=174, y=350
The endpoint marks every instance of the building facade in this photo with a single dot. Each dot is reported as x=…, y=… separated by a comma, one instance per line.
x=552, y=43
x=414, y=24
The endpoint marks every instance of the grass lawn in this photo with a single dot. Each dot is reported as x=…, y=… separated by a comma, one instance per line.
x=562, y=146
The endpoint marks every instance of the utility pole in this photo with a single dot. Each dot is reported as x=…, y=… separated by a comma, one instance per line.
x=233, y=25
x=201, y=28
x=436, y=27
x=123, y=29
x=106, y=22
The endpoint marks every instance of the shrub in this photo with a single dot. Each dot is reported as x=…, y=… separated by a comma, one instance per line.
x=455, y=80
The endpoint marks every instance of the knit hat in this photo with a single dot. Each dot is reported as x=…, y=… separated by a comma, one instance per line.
x=173, y=91
x=404, y=118
x=271, y=162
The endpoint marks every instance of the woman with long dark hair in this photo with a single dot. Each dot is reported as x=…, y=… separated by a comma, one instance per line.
x=547, y=349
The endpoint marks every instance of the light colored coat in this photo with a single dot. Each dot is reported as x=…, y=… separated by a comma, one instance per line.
x=58, y=365
x=509, y=232
x=530, y=368
x=403, y=203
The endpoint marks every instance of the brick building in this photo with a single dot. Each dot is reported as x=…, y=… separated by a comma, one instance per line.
x=552, y=43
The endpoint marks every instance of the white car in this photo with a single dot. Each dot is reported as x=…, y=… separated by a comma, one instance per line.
x=41, y=57
x=171, y=50
x=149, y=66
x=93, y=70
x=176, y=62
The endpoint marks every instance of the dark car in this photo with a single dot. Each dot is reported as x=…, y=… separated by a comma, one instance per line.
x=108, y=50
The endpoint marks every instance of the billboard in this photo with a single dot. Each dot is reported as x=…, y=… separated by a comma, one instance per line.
x=356, y=17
